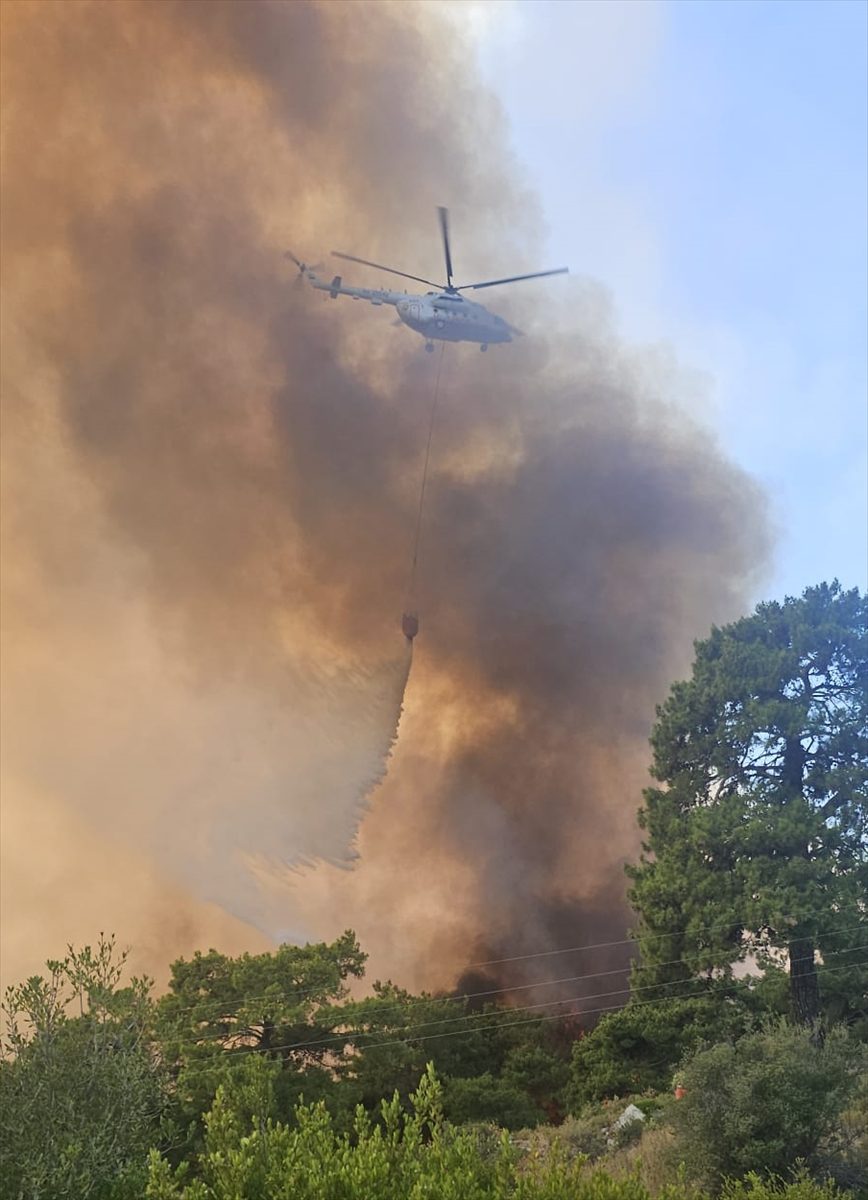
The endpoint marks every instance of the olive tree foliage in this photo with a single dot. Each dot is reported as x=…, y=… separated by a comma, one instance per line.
x=81, y=1094
x=756, y=840
x=770, y=1103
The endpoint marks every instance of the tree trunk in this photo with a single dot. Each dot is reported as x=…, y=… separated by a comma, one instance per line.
x=266, y=1035
x=804, y=988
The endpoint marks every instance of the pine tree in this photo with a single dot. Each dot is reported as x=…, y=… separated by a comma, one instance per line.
x=757, y=840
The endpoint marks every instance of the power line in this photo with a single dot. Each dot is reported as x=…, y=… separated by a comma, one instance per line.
x=475, y=1029
x=416, y=1001
x=399, y=1005
x=220, y=1010
x=494, y=962
x=524, y=1008
x=247, y=1050
x=351, y=1035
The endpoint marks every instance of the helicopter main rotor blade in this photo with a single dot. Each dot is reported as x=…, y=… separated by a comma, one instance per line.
x=512, y=279
x=379, y=266
x=444, y=229
x=289, y=254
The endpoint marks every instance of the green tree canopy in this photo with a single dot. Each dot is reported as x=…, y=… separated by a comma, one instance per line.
x=290, y=1008
x=757, y=840
x=257, y=1001
x=637, y=1048
x=282, y=1005
x=81, y=1093
x=769, y=1102
x=393, y=1034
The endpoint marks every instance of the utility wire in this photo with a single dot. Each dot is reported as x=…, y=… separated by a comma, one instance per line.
x=220, y=1010
x=351, y=1035
x=399, y=1005
x=494, y=962
x=464, y=1032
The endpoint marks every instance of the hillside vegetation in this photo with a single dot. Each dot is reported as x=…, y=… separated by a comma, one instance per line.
x=738, y=1066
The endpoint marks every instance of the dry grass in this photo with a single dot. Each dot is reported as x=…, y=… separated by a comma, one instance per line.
x=651, y=1158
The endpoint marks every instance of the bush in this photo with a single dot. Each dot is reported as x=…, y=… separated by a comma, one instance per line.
x=587, y=1133
x=650, y=1159
x=765, y=1104
x=847, y=1162
x=753, y=1187
x=81, y=1094
x=635, y=1049
x=485, y=1098
x=414, y=1156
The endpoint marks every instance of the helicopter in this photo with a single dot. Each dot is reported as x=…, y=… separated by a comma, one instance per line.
x=443, y=315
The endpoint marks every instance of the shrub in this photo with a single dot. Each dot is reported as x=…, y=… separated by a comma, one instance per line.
x=81, y=1095
x=764, y=1104
x=414, y=1156
x=485, y=1098
x=635, y=1049
x=587, y=1133
x=754, y=1187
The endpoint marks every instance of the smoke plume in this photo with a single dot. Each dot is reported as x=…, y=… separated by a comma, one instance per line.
x=210, y=485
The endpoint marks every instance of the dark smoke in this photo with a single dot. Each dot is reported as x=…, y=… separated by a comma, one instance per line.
x=212, y=476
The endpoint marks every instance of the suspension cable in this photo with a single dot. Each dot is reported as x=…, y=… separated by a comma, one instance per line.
x=411, y=593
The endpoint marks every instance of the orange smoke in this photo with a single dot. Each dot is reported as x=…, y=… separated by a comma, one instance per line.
x=210, y=483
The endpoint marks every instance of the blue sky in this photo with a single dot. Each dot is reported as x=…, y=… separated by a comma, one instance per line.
x=707, y=161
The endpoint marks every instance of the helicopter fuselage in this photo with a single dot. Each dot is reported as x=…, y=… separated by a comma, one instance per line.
x=444, y=317
x=440, y=316
x=437, y=316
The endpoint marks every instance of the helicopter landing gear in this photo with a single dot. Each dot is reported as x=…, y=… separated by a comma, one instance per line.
x=429, y=346
x=483, y=348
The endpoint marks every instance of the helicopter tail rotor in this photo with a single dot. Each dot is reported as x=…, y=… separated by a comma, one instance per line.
x=303, y=268
x=299, y=279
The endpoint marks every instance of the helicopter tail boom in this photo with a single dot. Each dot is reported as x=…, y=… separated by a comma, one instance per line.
x=336, y=287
